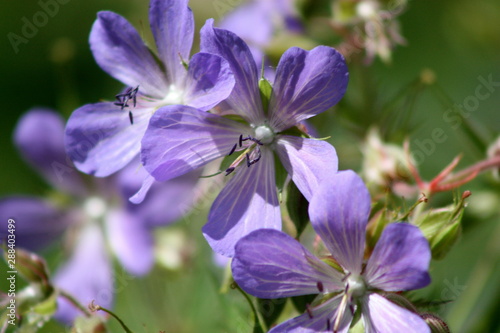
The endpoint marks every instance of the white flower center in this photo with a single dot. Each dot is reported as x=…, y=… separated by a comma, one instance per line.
x=356, y=286
x=366, y=9
x=94, y=207
x=264, y=134
x=174, y=96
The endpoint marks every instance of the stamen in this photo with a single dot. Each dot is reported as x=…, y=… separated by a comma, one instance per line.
x=328, y=325
x=232, y=150
x=340, y=313
x=320, y=286
x=248, y=160
x=229, y=170
x=123, y=98
x=131, y=117
x=240, y=140
x=309, y=311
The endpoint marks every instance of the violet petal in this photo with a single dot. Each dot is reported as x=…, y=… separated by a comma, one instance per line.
x=248, y=202
x=270, y=264
x=245, y=98
x=318, y=323
x=37, y=222
x=180, y=139
x=131, y=241
x=400, y=260
x=39, y=136
x=339, y=213
x=307, y=161
x=100, y=138
x=381, y=315
x=120, y=51
x=73, y=277
x=209, y=81
x=306, y=84
x=172, y=25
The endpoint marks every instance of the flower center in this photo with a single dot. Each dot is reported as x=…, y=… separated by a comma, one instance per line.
x=94, y=207
x=174, y=96
x=356, y=286
x=366, y=9
x=264, y=134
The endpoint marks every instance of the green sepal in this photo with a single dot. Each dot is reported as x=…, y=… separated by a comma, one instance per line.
x=297, y=207
x=270, y=309
x=280, y=173
x=265, y=90
x=301, y=302
x=333, y=264
x=442, y=228
x=375, y=227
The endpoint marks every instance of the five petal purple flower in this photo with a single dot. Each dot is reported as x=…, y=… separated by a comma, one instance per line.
x=95, y=217
x=103, y=138
x=180, y=138
x=271, y=264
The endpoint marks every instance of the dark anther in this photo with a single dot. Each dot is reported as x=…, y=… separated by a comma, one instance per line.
x=255, y=160
x=129, y=94
x=131, y=117
x=229, y=170
x=328, y=325
x=251, y=139
x=320, y=286
x=240, y=140
x=351, y=307
x=232, y=150
x=309, y=312
x=248, y=160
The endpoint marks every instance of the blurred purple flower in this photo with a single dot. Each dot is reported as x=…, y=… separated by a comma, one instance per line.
x=103, y=138
x=80, y=212
x=180, y=139
x=271, y=264
x=257, y=21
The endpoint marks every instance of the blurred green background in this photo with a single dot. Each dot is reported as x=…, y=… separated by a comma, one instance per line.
x=458, y=40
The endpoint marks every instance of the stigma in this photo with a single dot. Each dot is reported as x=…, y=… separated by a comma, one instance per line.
x=264, y=134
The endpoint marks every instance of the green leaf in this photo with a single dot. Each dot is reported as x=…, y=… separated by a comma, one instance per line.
x=270, y=309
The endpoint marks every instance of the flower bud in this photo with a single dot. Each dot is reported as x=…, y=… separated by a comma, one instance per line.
x=30, y=266
x=436, y=324
x=441, y=227
x=383, y=164
x=401, y=301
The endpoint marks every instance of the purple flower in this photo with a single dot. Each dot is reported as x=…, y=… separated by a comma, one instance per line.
x=103, y=138
x=258, y=20
x=96, y=218
x=180, y=138
x=271, y=264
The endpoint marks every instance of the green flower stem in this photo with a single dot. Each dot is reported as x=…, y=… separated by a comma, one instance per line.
x=259, y=322
x=75, y=302
x=125, y=328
